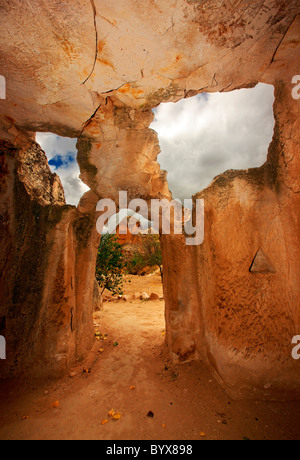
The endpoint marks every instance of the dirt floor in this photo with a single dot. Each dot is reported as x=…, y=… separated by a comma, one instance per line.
x=133, y=376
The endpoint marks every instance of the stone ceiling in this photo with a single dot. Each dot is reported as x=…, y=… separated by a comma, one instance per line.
x=62, y=59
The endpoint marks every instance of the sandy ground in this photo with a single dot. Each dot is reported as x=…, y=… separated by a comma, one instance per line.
x=186, y=402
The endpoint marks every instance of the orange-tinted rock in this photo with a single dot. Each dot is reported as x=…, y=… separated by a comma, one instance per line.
x=154, y=296
x=261, y=264
x=47, y=307
x=97, y=299
x=242, y=321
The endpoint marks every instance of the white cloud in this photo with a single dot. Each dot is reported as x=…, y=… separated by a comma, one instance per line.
x=62, y=152
x=208, y=134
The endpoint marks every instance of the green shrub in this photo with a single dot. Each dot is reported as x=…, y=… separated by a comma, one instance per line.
x=110, y=266
x=148, y=255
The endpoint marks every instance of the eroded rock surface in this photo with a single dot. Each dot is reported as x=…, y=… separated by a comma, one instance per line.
x=61, y=60
x=94, y=70
x=46, y=308
x=241, y=320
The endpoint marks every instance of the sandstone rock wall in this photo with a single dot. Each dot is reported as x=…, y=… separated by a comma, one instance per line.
x=46, y=266
x=247, y=317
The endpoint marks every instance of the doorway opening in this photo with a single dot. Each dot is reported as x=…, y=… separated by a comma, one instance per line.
x=200, y=138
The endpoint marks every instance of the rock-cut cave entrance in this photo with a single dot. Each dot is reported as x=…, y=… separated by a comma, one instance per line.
x=142, y=282
x=200, y=138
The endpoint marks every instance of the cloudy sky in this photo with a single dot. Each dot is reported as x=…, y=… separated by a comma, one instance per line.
x=208, y=134
x=200, y=138
x=61, y=153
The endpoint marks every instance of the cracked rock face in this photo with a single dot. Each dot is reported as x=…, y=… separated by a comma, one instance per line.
x=94, y=70
x=61, y=60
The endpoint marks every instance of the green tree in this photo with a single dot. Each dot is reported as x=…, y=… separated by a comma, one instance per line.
x=148, y=255
x=152, y=252
x=110, y=264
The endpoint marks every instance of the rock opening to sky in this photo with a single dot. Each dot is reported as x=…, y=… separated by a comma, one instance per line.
x=61, y=153
x=206, y=135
